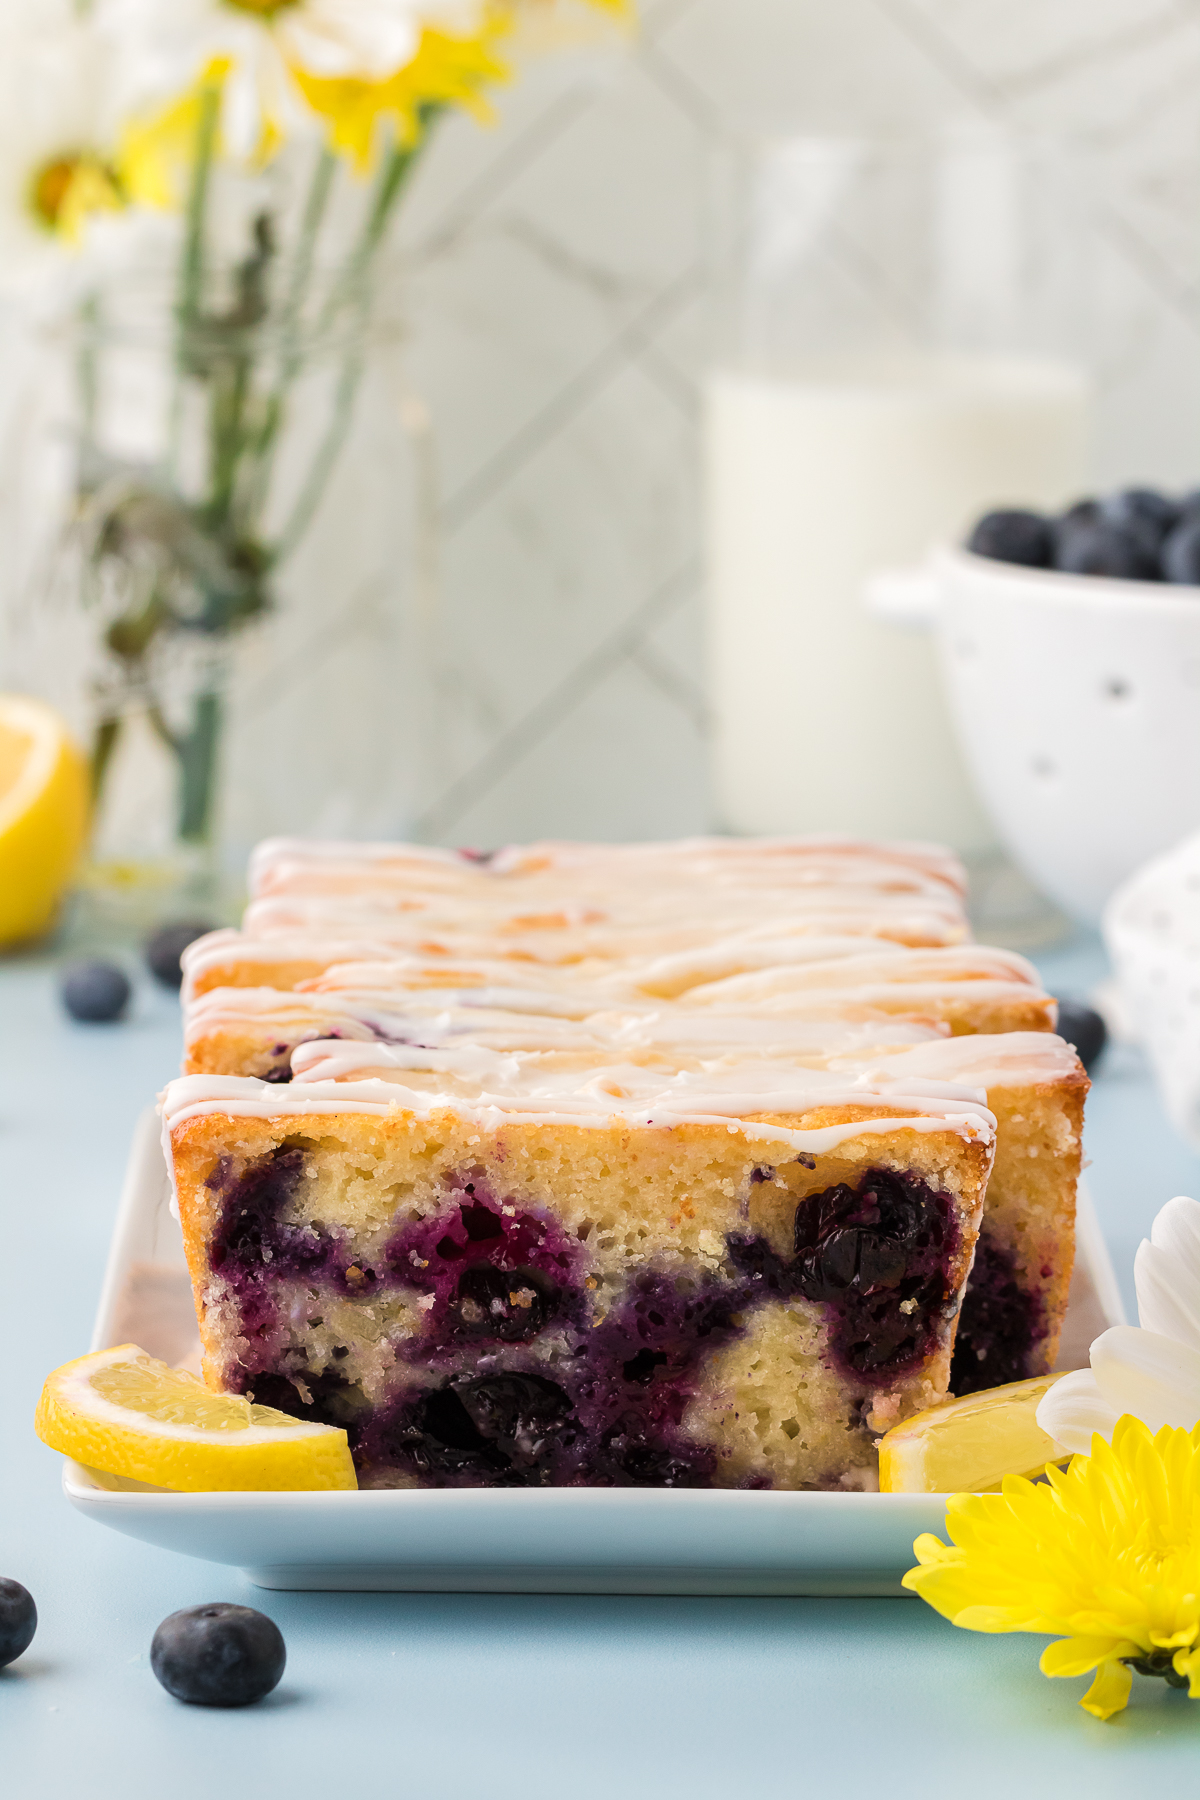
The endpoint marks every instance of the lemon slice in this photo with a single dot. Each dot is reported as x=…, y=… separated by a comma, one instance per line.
x=43, y=814
x=969, y=1445
x=122, y=1412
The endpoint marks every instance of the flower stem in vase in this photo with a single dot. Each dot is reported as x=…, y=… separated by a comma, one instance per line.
x=196, y=753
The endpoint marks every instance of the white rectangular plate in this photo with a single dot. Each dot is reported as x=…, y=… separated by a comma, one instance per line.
x=533, y=1540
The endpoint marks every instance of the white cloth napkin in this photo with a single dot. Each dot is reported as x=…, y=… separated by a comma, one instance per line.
x=1152, y=929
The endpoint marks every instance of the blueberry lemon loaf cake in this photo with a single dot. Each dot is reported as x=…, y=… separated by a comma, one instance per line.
x=579, y=1163
x=567, y=1267
x=825, y=1009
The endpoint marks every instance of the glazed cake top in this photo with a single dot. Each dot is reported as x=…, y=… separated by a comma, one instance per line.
x=313, y=866
x=657, y=1069
x=513, y=1018
x=815, y=977
x=590, y=1087
x=560, y=903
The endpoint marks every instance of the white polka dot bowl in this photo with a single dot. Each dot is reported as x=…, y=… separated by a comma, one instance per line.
x=1077, y=703
x=1152, y=929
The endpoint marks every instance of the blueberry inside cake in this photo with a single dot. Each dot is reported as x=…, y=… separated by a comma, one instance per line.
x=481, y=1296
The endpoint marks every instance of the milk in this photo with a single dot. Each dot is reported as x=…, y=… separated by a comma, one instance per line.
x=825, y=719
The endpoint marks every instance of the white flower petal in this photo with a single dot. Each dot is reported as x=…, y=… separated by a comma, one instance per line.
x=1177, y=1230
x=1073, y=1409
x=1153, y=1377
x=1167, y=1304
x=1167, y=1273
x=335, y=38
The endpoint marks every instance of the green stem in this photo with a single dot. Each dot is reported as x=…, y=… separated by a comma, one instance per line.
x=191, y=272
x=327, y=451
x=229, y=391
x=353, y=285
x=191, y=268
x=198, y=770
x=103, y=744
x=319, y=191
x=397, y=166
x=291, y=341
x=195, y=753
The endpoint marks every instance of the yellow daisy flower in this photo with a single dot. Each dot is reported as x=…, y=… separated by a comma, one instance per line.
x=1105, y=1557
x=445, y=71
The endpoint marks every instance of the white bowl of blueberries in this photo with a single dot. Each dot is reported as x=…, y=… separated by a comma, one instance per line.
x=1070, y=648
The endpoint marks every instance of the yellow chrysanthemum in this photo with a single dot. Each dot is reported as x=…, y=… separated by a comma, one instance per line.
x=446, y=71
x=1105, y=1557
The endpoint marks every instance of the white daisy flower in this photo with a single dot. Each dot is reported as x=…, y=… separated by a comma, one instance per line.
x=64, y=211
x=1152, y=1369
x=167, y=44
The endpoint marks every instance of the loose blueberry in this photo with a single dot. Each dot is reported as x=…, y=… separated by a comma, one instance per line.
x=218, y=1655
x=1095, y=546
x=168, y=944
x=18, y=1620
x=1084, y=1028
x=1015, y=536
x=1181, y=553
x=95, y=992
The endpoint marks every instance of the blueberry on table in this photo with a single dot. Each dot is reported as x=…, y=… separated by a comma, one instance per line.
x=1083, y=1027
x=18, y=1620
x=1181, y=553
x=218, y=1655
x=1096, y=546
x=168, y=944
x=95, y=992
x=1014, y=536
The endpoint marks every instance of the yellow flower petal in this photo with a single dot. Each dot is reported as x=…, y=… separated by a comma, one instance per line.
x=156, y=151
x=1187, y=1664
x=1080, y=1655
x=1109, y=1693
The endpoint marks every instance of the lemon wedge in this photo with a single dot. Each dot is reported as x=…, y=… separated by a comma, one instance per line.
x=969, y=1445
x=125, y=1414
x=43, y=814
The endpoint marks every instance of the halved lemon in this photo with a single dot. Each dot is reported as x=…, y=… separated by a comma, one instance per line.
x=122, y=1412
x=970, y=1445
x=43, y=814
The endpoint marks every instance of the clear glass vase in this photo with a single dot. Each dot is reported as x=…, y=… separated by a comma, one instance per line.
x=214, y=525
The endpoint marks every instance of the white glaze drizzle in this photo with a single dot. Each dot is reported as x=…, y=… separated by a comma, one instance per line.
x=304, y=865
x=503, y=1089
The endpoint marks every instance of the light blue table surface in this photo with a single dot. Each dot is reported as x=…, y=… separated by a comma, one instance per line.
x=483, y=1698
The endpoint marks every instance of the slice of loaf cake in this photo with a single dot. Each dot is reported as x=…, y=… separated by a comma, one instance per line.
x=552, y=1267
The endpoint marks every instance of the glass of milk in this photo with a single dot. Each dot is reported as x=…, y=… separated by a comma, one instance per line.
x=906, y=330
